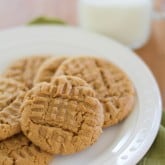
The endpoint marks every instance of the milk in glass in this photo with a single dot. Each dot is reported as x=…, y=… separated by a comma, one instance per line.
x=127, y=21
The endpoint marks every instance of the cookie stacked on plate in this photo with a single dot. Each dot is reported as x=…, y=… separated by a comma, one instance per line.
x=59, y=105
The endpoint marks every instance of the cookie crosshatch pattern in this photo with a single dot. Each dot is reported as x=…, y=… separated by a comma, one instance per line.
x=112, y=86
x=24, y=70
x=48, y=69
x=11, y=97
x=19, y=150
x=63, y=117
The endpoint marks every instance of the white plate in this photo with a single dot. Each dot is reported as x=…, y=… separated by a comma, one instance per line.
x=125, y=143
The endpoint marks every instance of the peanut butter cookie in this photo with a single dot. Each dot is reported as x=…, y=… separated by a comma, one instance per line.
x=62, y=117
x=11, y=97
x=18, y=150
x=48, y=69
x=111, y=84
x=24, y=70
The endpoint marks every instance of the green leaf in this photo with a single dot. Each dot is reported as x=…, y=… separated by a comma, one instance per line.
x=46, y=20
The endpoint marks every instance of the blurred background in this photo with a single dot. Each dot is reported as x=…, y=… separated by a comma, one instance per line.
x=18, y=12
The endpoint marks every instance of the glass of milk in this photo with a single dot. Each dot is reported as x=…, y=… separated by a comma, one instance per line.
x=128, y=21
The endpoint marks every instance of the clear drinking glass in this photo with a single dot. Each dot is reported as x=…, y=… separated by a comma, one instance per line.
x=128, y=21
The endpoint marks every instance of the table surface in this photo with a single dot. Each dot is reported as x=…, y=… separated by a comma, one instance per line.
x=153, y=53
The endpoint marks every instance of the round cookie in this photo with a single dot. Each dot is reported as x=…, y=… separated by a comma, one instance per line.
x=48, y=69
x=18, y=150
x=63, y=117
x=11, y=98
x=24, y=70
x=112, y=86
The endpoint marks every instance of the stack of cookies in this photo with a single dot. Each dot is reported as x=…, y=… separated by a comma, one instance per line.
x=59, y=105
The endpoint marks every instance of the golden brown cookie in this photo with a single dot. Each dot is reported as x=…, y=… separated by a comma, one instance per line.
x=63, y=117
x=18, y=150
x=24, y=70
x=111, y=84
x=11, y=98
x=48, y=69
